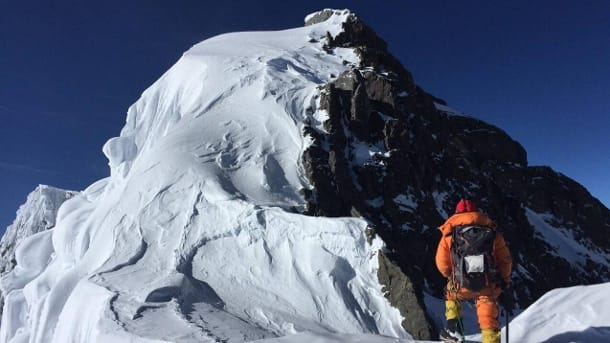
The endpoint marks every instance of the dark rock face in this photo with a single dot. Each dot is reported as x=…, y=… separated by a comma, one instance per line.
x=398, y=157
x=402, y=295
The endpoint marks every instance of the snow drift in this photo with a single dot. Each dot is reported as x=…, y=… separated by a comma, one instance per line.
x=37, y=214
x=193, y=237
x=575, y=314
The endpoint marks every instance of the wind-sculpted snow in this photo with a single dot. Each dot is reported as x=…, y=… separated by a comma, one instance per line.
x=191, y=238
x=575, y=314
x=37, y=214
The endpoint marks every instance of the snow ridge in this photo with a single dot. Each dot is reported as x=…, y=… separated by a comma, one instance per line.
x=192, y=238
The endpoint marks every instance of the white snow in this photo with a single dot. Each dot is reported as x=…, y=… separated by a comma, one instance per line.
x=566, y=245
x=37, y=214
x=189, y=239
x=364, y=152
x=309, y=337
x=334, y=22
x=576, y=314
x=448, y=110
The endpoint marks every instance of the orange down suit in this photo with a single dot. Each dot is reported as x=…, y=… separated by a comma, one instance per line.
x=487, y=309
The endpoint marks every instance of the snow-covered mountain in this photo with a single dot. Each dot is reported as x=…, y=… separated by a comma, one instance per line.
x=195, y=236
x=290, y=182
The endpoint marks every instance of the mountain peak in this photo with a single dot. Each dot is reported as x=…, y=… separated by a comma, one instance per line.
x=199, y=224
x=333, y=15
x=38, y=213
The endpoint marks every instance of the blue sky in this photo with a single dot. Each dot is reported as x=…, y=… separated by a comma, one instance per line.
x=70, y=69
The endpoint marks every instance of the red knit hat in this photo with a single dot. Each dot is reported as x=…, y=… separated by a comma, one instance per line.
x=465, y=205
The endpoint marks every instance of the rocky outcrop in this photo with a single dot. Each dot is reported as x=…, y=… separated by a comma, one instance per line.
x=400, y=292
x=400, y=158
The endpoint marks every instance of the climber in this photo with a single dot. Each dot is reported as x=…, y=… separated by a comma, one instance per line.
x=473, y=256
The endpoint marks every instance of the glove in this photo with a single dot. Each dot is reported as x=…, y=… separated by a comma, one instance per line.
x=506, y=297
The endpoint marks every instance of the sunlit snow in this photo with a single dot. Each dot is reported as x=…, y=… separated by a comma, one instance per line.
x=191, y=238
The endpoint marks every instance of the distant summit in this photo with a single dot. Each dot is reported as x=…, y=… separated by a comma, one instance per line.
x=326, y=14
x=39, y=213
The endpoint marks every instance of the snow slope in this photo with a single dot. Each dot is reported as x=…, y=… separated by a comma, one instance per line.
x=192, y=238
x=575, y=314
x=565, y=244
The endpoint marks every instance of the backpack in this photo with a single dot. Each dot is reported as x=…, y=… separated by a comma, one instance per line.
x=472, y=256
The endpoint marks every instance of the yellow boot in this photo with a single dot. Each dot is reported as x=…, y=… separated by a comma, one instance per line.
x=453, y=309
x=453, y=331
x=490, y=336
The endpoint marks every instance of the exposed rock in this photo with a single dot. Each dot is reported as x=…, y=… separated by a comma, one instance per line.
x=401, y=294
x=371, y=49
x=423, y=159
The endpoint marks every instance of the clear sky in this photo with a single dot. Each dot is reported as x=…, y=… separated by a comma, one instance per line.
x=69, y=70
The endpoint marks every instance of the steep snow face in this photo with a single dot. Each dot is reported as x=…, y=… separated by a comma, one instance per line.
x=233, y=109
x=564, y=244
x=189, y=239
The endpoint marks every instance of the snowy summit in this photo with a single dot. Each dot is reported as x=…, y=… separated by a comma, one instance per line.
x=191, y=238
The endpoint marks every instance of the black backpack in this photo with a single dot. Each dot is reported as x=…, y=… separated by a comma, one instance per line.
x=472, y=256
